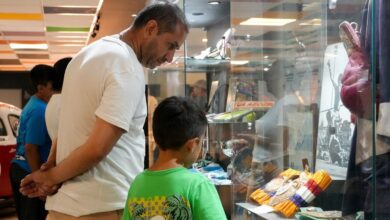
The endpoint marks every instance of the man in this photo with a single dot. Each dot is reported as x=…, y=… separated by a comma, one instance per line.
x=199, y=93
x=101, y=144
x=53, y=107
x=33, y=142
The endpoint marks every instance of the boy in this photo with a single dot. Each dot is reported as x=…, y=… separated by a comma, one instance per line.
x=33, y=142
x=167, y=190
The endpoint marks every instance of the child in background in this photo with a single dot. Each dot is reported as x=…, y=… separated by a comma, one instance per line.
x=33, y=142
x=168, y=190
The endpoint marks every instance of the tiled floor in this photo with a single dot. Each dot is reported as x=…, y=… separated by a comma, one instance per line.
x=12, y=217
x=8, y=214
x=7, y=210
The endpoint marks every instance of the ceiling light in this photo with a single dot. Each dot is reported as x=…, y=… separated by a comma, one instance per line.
x=67, y=41
x=75, y=6
x=267, y=21
x=71, y=45
x=204, y=40
x=239, y=62
x=214, y=2
x=69, y=36
x=60, y=29
x=134, y=15
x=12, y=68
x=75, y=14
x=17, y=46
x=266, y=69
x=265, y=57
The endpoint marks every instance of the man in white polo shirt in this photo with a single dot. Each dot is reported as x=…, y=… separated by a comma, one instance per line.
x=101, y=144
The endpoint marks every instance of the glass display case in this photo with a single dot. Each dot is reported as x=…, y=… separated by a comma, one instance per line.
x=287, y=88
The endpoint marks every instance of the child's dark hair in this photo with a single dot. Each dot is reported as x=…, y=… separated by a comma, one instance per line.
x=41, y=74
x=177, y=120
x=60, y=67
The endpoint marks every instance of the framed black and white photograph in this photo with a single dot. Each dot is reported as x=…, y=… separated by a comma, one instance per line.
x=335, y=128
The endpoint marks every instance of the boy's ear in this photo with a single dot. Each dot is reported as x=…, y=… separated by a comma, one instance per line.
x=39, y=87
x=192, y=144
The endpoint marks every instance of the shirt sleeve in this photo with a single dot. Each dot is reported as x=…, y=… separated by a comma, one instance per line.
x=126, y=214
x=36, y=131
x=206, y=203
x=121, y=97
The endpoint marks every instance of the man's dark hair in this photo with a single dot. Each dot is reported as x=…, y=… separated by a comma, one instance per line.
x=41, y=74
x=167, y=16
x=177, y=120
x=60, y=67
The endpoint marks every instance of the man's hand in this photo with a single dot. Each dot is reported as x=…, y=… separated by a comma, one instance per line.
x=253, y=139
x=38, y=184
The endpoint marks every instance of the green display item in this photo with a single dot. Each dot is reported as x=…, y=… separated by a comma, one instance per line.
x=231, y=116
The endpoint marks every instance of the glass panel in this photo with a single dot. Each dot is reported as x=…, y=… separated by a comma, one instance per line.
x=14, y=123
x=164, y=81
x=3, y=130
x=375, y=42
x=290, y=110
x=207, y=70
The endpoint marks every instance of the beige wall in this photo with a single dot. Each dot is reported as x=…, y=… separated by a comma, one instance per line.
x=11, y=96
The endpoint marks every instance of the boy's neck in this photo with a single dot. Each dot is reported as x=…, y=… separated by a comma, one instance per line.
x=167, y=160
x=41, y=97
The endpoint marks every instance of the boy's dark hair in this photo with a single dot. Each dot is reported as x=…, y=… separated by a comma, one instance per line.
x=41, y=74
x=177, y=120
x=166, y=14
x=60, y=67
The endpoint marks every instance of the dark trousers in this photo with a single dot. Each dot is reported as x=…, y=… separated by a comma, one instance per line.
x=26, y=208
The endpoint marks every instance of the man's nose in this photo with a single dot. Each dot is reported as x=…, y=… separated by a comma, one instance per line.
x=169, y=56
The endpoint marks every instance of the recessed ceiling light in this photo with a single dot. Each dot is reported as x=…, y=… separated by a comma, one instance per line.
x=134, y=15
x=267, y=21
x=66, y=41
x=197, y=13
x=204, y=40
x=17, y=46
x=214, y=2
x=70, y=36
x=70, y=45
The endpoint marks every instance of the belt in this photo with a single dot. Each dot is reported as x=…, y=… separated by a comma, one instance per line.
x=19, y=157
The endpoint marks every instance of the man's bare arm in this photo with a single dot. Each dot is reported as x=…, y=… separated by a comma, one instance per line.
x=32, y=156
x=102, y=139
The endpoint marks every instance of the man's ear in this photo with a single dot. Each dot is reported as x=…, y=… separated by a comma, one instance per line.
x=151, y=27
